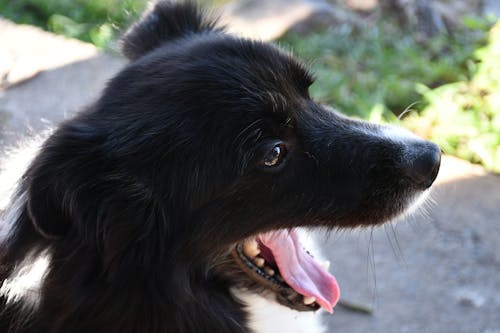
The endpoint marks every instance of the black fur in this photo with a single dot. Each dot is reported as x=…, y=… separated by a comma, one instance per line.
x=140, y=197
x=165, y=22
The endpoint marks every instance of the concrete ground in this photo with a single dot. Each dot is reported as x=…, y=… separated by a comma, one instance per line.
x=437, y=271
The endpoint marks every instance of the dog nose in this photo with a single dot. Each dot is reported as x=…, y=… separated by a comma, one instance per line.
x=424, y=166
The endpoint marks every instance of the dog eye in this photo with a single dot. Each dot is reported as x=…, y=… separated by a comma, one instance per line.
x=275, y=156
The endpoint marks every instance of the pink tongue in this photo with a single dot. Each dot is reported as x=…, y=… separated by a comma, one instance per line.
x=300, y=270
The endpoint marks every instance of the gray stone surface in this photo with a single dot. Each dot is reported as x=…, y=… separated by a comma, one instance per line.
x=435, y=272
x=52, y=95
x=26, y=50
x=46, y=78
x=267, y=20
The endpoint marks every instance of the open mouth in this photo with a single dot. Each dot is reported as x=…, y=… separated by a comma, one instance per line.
x=277, y=260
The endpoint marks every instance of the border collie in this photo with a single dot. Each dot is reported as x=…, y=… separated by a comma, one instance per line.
x=174, y=202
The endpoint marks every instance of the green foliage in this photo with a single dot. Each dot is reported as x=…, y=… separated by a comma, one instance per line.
x=94, y=21
x=373, y=70
x=451, y=83
x=464, y=117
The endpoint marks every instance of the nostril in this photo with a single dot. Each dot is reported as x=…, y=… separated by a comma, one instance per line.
x=424, y=166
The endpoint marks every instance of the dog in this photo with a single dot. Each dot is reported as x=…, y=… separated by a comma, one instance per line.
x=174, y=203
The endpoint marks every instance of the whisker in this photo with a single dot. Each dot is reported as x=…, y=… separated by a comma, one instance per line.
x=371, y=263
x=391, y=243
x=408, y=109
x=398, y=245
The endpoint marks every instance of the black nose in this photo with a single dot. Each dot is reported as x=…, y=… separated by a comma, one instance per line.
x=424, y=163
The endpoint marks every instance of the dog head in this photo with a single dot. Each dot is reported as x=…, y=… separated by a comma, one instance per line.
x=207, y=143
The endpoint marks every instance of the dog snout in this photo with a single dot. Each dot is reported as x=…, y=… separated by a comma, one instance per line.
x=423, y=166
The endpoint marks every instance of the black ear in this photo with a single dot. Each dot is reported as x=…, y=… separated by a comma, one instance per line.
x=45, y=195
x=45, y=209
x=166, y=21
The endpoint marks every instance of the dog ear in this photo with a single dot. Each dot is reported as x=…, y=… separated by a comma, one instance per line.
x=45, y=209
x=166, y=21
x=45, y=194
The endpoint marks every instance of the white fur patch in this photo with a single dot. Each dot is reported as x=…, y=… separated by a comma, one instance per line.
x=9, y=217
x=268, y=316
x=14, y=163
x=25, y=282
x=417, y=204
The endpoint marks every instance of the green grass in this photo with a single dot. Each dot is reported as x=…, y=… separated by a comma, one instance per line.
x=375, y=69
x=94, y=21
x=464, y=117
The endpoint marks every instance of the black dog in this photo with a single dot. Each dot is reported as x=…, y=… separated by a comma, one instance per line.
x=183, y=186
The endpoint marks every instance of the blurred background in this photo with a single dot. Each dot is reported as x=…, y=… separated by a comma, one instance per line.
x=432, y=66
x=425, y=61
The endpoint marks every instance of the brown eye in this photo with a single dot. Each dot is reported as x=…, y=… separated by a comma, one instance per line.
x=275, y=156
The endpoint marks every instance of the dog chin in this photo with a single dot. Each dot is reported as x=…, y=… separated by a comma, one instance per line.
x=416, y=204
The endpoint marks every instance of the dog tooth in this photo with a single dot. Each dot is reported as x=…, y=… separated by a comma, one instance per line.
x=325, y=264
x=251, y=248
x=269, y=270
x=308, y=300
x=259, y=262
